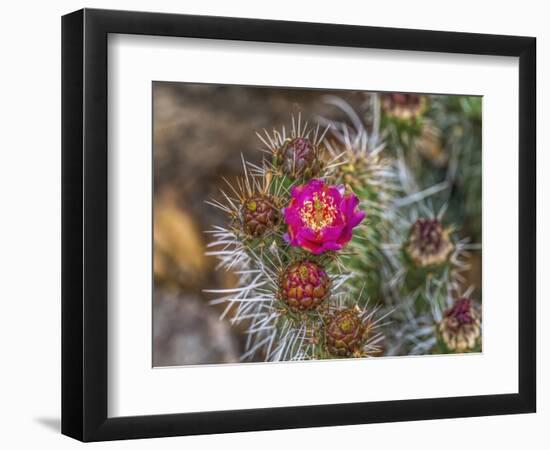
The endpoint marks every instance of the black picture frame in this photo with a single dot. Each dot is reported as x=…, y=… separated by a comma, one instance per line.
x=84, y=224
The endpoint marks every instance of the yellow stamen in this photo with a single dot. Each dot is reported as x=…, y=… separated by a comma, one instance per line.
x=319, y=213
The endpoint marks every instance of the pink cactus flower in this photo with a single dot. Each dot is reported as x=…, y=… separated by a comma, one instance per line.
x=321, y=217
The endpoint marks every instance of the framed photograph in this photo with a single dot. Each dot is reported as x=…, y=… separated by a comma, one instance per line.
x=274, y=225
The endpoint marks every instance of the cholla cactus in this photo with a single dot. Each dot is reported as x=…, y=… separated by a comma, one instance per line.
x=364, y=167
x=426, y=248
x=304, y=285
x=258, y=215
x=448, y=322
x=338, y=250
x=285, y=234
x=297, y=156
x=429, y=244
x=460, y=328
x=346, y=332
x=404, y=107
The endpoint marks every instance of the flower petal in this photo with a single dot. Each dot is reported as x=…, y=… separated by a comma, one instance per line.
x=331, y=236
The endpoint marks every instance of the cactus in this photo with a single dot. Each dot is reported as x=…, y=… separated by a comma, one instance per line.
x=336, y=243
